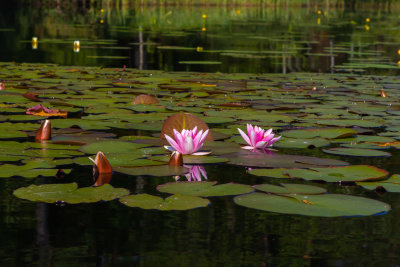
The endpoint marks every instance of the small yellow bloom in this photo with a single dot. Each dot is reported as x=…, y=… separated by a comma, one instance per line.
x=398, y=51
x=319, y=21
x=102, y=10
x=319, y=12
x=367, y=28
x=238, y=12
x=367, y=20
x=199, y=49
x=204, y=16
x=203, y=29
x=101, y=21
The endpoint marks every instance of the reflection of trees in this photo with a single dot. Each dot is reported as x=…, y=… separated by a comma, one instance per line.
x=281, y=42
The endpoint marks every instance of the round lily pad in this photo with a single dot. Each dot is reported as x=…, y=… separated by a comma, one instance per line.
x=162, y=170
x=270, y=159
x=174, y=202
x=301, y=143
x=204, y=189
x=112, y=146
x=69, y=193
x=325, y=205
x=350, y=173
x=323, y=133
x=359, y=152
x=275, y=173
x=301, y=189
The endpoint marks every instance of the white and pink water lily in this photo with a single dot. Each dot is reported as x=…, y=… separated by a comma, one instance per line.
x=258, y=138
x=187, y=142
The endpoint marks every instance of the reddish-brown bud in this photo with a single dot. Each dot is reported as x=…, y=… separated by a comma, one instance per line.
x=383, y=93
x=44, y=132
x=101, y=164
x=176, y=159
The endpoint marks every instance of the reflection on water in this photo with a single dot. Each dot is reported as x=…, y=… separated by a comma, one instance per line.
x=249, y=39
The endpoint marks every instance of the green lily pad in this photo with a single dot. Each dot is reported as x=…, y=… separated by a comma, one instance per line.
x=351, y=123
x=163, y=170
x=323, y=133
x=69, y=193
x=391, y=185
x=204, y=189
x=112, y=146
x=12, y=134
x=275, y=173
x=121, y=160
x=300, y=189
x=325, y=205
x=301, y=143
x=270, y=159
x=350, y=173
x=359, y=152
x=174, y=202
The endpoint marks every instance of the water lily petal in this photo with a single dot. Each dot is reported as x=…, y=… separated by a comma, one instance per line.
x=245, y=137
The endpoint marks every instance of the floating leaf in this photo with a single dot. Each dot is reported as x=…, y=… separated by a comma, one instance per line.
x=69, y=193
x=339, y=174
x=145, y=100
x=163, y=170
x=174, y=202
x=325, y=205
x=112, y=146
x=359, y=152
x=182, y=121
x=204, y=189
x=300, y=189
x=328, y=133
x=301, y=143
x=271, y=159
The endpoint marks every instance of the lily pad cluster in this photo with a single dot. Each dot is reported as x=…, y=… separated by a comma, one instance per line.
x=325, y=122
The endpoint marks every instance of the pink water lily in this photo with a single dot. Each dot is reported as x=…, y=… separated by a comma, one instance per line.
x=258, y=138
x=187, y=142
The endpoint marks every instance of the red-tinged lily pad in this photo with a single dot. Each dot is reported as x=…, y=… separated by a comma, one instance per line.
x=144, y=100
x=358, y=152
x=351, y=173
x=69, y=193
x=182, y=121
x=324, y=205
x=40, y=110
x=271, y=159
x=328, y=133
x=283, y=189
x=204, y=189
x=174, y=202
x=162, y=170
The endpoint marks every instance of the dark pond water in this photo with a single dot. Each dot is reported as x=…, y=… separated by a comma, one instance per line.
x=235, y=40
x=232, y=39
